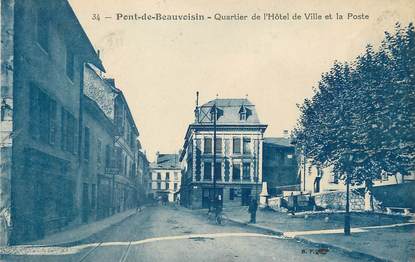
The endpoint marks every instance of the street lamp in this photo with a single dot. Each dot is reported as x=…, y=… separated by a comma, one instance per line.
x=214, y=115
x=349, y=158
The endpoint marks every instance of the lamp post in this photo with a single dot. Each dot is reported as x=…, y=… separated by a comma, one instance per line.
x=349, y=158
x=214, y=155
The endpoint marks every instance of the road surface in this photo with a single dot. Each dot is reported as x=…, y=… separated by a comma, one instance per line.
x=178, y=234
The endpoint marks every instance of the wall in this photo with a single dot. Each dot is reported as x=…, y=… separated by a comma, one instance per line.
x=38, y=166
x=279, y=171
x=337, y=200
x=7, y=56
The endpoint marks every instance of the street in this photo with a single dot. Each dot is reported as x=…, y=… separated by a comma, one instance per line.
x=177, y=234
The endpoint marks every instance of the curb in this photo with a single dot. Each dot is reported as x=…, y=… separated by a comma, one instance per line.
x=79, y=241
x=312, y=242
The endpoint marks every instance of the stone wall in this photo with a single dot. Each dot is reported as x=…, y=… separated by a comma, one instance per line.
x=337, y=200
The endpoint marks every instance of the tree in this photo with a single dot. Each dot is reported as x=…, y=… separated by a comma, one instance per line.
x=360, y=119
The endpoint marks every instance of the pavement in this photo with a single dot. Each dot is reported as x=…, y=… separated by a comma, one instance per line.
x=82, y=232
x=374, y=236
x=177, y=234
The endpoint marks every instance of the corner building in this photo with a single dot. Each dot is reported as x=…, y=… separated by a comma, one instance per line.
x=238, y=166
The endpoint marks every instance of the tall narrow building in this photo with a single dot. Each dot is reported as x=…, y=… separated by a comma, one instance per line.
x=238, y=159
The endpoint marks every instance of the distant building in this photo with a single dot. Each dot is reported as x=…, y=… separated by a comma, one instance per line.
x=143, y=178
x=166, y=176
x=280, y=165
x=238, y=166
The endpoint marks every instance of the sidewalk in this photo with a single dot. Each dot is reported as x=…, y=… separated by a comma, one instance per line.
x=82, y=232
x=376, y=236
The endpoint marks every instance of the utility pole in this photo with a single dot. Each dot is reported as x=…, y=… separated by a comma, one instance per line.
x=214, y=156
x=347, y=215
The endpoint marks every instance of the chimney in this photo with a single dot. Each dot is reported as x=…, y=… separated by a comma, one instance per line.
x=157, y=156
x=197, y=113
x=110, y=81
x=286, y=134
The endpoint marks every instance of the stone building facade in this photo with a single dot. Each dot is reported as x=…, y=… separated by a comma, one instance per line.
x=143, y=177
x=48, y=146
x=116, y=178
x=238, y=166
x=166, y=177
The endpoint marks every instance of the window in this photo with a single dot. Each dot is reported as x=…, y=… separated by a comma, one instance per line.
x=207, y=171
x=247, y=145
x=86, y=143
x=218, y=171
x=43, y=116
x=68, y=131
x=42, y=28
x=176, y=176
x=70, y=63
x=167, y=176
x=167, y=185
x=118, y=159
x=236, y=172
x=246, y=172
x=158, y=185
x=93, y=195
x=99, y=145
x=175, y=186
x=242, y=115
x=119, y=115
x=208, y=145
x=236, y=145
x=107, y=156
x=158, y=176
x=218, y=145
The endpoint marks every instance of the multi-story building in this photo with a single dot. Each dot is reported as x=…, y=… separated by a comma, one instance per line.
x=143, y=177
x=238, y=165
x=53, y=134
x=280, y=165
x=166, y=176
x=42, y=62
x=110, y=148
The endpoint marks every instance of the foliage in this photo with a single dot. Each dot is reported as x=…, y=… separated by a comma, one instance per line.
x=361, y=118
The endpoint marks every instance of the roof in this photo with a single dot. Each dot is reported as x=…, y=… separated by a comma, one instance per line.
x=278, y=141
x=77, y=34
x=166, y=161
x=229, y=112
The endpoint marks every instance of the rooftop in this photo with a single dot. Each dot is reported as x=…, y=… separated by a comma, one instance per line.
x=229, y=112
x=166, y=161
x=278, y=141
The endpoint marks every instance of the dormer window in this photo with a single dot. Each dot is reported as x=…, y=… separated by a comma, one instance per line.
x=242, y=113
x=219, y=113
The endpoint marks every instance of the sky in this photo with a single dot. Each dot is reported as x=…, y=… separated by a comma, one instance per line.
x=159, y=65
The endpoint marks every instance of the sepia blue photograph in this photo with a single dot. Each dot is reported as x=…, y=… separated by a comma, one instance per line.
x=176, y=130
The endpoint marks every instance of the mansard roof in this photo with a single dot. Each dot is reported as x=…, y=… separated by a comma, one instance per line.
x=229, y=111
x=166, y=161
